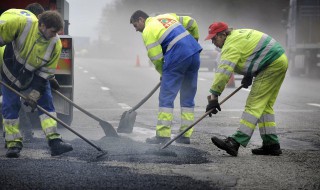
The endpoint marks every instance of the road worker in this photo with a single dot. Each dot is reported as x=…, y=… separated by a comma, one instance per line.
x=172, y=46
x=253, y=54
x=29, y=60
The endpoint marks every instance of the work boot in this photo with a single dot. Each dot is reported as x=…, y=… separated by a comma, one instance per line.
x=57, y=147
x=183, y=140
x=14, y=152
x=228, y=144
x=157, y=140
x=273, y=149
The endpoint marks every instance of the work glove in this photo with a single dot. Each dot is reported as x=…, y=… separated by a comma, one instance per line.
x=31, y=99
x=213, y=104
x=54, y=84
x=246, y=81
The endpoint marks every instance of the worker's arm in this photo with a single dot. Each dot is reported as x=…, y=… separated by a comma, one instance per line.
x=154, y=48
x=9, y=27
x=190, y=25
x=229, y=59
x=48, y=70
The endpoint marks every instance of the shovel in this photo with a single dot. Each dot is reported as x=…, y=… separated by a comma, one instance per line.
x=103, y=152
x=207, y=113
x=129, y=117
x=107, y=127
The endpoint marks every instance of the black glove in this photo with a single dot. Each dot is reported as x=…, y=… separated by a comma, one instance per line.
x=213, y=104
x=246, y=81
x=54, y=84
x=31, y=99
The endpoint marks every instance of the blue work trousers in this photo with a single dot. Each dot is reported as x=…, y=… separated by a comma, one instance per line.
x=11, y=103
x=183, y=77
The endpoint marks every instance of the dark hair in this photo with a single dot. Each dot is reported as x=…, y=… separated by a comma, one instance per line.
x=51, y=19
x=136, y=15
x=35, y=8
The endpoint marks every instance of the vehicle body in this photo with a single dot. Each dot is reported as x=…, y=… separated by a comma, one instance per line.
x=209, y=56
x=65, y=71
x=303, y=39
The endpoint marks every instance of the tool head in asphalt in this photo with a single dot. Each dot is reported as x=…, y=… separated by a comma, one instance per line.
x=108, y=129
x=127, y=121
x=104, y=154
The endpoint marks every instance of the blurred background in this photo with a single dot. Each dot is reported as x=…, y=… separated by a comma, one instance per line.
x=101, y=28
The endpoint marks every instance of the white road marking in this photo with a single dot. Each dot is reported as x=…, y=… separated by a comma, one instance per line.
x=124, y=106
x=202, y=79
x=92, y=78
x=85, y=71
x=104, y=88
x=313, y=104
x=80, y=67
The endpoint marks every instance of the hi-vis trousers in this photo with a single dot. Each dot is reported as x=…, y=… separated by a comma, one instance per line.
x=259, y=106
x=177, y=77
x=11, y=105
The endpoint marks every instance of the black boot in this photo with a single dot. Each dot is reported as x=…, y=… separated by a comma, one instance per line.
x=57, y=147
x=183, y=140
x=273, y=149
x=14, y=152
x=228, y=144
x=157, y=140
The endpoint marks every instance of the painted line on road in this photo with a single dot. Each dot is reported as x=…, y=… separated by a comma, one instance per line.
x=124, y=106
x=92, y=78
x=313, y=104
x=202, y=79
x=104, y=88
x=80, y=68
x=85, y=71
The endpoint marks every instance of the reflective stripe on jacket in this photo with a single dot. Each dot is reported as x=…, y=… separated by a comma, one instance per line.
x=32, y=51
x=166, y=39
x=246, y=52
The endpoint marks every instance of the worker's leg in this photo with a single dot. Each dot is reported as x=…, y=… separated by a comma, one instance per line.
x=49, y=125
x=262, y=95
x=187, y=93
x=266, y=123
x=170, y=85
x=10, y=112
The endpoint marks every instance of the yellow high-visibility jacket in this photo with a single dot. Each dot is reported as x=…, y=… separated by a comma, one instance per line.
x=246, y=52
x=170, y=38
x=32, y=52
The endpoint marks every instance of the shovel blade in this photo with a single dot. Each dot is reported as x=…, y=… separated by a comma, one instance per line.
x=108, y=129
x=127, y=122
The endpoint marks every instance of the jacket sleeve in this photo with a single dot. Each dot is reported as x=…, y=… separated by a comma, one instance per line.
x=190, y=25
x=225, y=69
x=48, y=70
x=9, y=27
x=154, y=49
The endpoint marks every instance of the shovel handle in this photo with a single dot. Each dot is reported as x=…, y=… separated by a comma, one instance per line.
x=53, y=117
x=207, y=113
x=145, y=98
x=78, y=107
